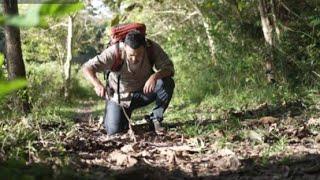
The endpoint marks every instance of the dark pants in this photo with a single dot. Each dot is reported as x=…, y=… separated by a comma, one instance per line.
x=115, y=120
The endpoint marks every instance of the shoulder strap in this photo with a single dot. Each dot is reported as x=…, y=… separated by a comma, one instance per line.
x=117, y=59
x=150, y=51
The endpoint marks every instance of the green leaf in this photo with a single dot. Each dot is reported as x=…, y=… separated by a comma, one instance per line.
x=2, y=19
x=133, y=6
x=9, y=86
x=315, y=22
x=58, y=10
x=30, y=19
x=241, y=5
x=115, y=20
x=1, y=63
x=1, y=59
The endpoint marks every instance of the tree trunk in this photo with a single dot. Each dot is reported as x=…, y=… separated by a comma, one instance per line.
x=67, y=64
x=206, y=25
x=275, y=19
x=13, y=52
x=268, y=32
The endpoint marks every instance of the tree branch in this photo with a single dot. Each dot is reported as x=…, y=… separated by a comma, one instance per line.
x=189, y=16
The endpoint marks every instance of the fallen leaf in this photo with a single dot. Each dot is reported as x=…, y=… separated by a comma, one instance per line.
x=145, y=153
x=253, y=136
x=127, y=148
x=268, y=120
x=317, y=138
x=228, y=163
x=131, y=161
x=118, y=157
x=272, y=127
x=172, y=158
x=218, y=133
x=225, y=152
x=122, y=159
x=313, y=121
x=100, y=121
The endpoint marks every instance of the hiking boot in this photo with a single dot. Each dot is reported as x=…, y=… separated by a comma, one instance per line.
x=149, y=121
x=158, y=129
x=154, y=125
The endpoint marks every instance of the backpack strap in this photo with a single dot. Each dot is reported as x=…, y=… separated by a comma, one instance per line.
x=150, y=51
x=118, y=60
x=118, y=87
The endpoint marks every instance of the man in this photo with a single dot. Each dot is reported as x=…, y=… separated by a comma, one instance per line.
x=138, y=84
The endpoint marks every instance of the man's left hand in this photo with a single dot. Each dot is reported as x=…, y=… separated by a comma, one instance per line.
x=150, y=84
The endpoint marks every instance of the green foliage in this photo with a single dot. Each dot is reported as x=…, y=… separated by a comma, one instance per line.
x=315, y=20
x=59, y=10
x=37, y=14
x=277, y=147
x=30, y=19
x=198, y=130
x=8, y=86
x=46, y=84
x=115, y=20
x=238, y=81
x=1, y=64
x=2, y=19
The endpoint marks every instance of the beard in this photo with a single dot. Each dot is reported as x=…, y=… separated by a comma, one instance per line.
x=134, y=67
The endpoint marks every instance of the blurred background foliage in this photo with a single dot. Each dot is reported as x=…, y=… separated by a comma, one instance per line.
x=228, y=72
x=218, y=48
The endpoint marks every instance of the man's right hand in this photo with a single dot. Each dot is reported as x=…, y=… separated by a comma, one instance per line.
x=100, y=90
x=90, y=74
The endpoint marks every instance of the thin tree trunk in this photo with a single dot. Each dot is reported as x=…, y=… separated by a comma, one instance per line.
x=67, y=64
x=268, y=32
x=266, y=23
x=275, y=19
x=206, y=25
x=13, y=53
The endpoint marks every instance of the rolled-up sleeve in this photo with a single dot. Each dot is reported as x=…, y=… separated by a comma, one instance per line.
x=162, y=60
x=103, y=61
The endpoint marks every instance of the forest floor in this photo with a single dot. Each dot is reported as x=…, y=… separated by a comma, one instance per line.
x=283, y=145
x=263, y=143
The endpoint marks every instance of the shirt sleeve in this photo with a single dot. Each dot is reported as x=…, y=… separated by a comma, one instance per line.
x=103, y=61
x=161, y=59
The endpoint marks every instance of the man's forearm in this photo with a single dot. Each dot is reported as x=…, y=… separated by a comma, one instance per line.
x=162, y=74
x=90, y=75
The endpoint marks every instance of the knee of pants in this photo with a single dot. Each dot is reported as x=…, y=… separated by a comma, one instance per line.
x=112, y=121
x=111, y=130
x=165, y=83
x=170, y=83
x=112, y=127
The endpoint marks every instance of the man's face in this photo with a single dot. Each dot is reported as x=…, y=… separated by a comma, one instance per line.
x=134, y=56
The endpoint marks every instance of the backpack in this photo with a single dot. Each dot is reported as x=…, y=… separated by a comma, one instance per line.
x=117, y=35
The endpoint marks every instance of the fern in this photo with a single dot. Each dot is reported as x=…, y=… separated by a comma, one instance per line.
x=315, y=21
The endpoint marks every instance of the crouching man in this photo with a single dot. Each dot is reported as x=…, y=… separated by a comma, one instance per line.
x=142, y=76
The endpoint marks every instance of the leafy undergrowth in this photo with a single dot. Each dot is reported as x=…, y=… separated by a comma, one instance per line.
x=240, y=145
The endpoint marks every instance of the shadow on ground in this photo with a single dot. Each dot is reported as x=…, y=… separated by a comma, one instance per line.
x=305, y=167
x=288, y=109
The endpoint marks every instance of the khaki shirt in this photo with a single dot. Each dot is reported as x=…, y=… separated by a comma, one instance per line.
x=130, y=81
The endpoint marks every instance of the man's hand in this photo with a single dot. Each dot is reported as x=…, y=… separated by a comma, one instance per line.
x=150, y=84
x=90, y=74
x=100, y=90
